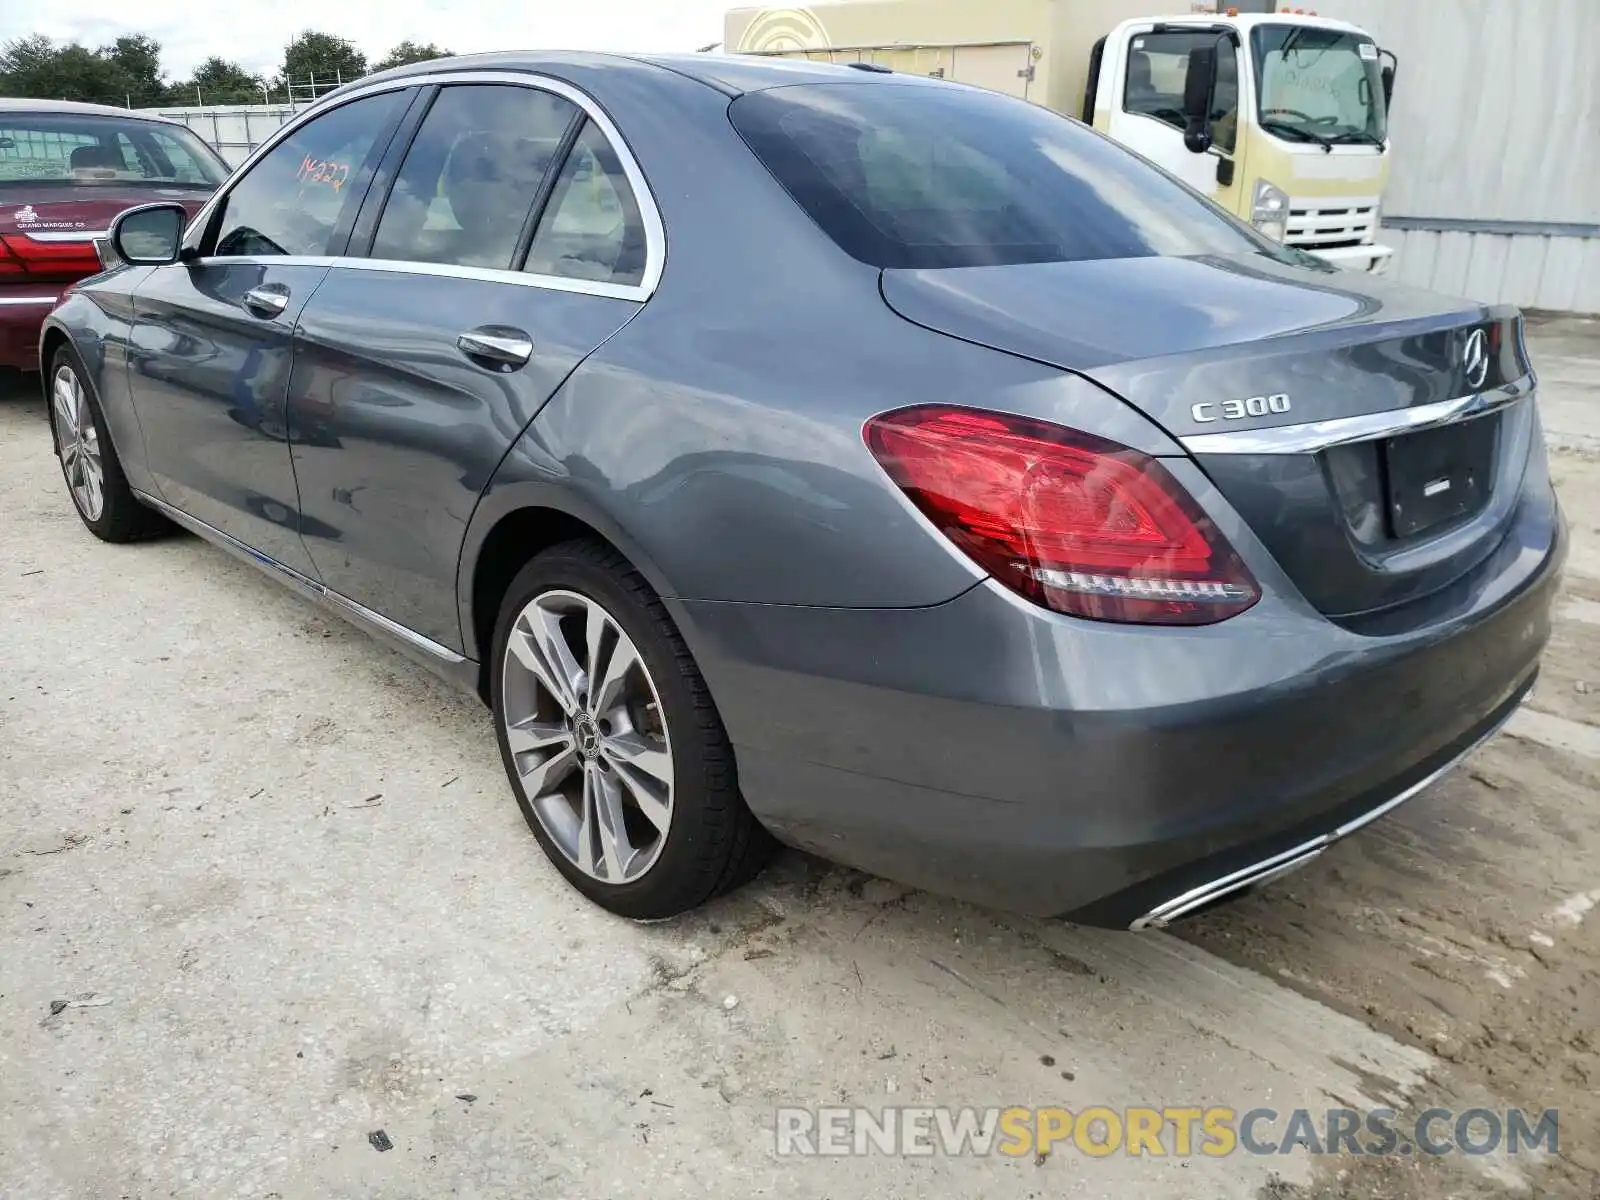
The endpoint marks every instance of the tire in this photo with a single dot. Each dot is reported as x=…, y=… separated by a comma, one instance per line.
x=108, y=507
x=574, y=786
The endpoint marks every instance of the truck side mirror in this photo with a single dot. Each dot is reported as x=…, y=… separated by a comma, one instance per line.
x=1387, y=75
x=1199, y=86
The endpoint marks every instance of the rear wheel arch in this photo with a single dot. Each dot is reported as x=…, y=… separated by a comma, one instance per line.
x=493, y=559
x=50, y=340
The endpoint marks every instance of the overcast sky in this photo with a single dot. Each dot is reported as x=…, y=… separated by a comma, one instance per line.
x=253, y=32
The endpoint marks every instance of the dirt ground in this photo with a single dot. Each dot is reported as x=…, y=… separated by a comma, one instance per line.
x=270, y=875
x=1458, y=925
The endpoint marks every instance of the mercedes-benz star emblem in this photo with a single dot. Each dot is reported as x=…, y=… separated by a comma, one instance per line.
x=587, y=737
x=1475, y=358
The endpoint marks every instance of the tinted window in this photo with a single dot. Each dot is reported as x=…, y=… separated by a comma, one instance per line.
x=1158, y=64
x=88, y=150
x=591, y=228
x=471, y=175
x=291, y=201
x=911, y=176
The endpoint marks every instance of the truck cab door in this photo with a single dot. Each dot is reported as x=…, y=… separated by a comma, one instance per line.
x=1139, y=103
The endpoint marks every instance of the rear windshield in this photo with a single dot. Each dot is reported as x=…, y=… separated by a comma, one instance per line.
x=67, y=148
x=919, y=176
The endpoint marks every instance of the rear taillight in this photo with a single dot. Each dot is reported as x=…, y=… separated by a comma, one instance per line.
x=21, y=255
x=1071, y=521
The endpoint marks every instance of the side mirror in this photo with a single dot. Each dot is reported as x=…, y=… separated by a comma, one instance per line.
x=150, y=235
x=1387, y=75
x=1199, y=86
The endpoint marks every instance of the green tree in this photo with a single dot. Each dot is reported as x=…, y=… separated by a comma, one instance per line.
x=321, y=57
x=37, y=68
x=139, y=58
x=218, y=81
x=410, y=52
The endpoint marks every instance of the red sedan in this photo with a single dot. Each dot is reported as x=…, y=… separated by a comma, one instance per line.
x=65, y=171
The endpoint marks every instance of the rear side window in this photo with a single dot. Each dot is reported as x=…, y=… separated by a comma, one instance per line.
x=87, y=150
x=471, y=176
x=592, y=228
x=918, y=176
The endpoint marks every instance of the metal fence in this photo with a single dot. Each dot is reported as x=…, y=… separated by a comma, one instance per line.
x=37, y=153
x=232, y=130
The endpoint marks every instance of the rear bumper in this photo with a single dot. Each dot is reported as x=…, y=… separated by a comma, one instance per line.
x=23, y=309
x=1373, y=259
x=989, y=750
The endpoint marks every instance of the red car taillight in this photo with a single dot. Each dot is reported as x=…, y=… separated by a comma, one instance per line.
x=1071, y=521
x=21, y=255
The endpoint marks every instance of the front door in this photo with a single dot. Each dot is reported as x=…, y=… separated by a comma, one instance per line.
x=1146, y=113
x=211, y=345
x=509, y=246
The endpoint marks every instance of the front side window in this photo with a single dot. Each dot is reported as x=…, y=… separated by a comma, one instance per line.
x=295, y=197
x=591, y=228
x=1319, y=84
x=901, y=175
x=1158, y=65
x=471, y=176
x=60, y=148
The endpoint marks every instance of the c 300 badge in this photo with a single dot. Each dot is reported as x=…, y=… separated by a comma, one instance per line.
x=1237, y=410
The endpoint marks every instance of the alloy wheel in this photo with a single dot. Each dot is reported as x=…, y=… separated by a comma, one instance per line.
x=584, y=726
x=79, y=439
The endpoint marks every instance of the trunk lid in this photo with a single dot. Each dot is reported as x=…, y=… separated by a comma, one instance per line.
x=1243, y=345
x=47, y=231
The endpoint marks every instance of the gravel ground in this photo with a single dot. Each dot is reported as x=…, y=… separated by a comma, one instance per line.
x=274, y=874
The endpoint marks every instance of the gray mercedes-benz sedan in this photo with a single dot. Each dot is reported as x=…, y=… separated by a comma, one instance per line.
x=805, y=454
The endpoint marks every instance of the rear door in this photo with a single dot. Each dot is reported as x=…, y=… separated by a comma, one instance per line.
x=212, y=343
x=508, y=240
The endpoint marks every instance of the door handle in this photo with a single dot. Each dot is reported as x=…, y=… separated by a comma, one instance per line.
x=496, y=346
x=268, y=300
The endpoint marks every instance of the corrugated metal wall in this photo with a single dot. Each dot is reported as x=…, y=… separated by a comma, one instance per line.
x=1494, y=190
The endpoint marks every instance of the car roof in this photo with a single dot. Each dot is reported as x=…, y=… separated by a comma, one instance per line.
x=10, y=104
x=733, y=74
x=737, y=73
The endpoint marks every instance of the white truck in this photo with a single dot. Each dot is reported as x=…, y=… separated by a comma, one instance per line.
x=1279, y=117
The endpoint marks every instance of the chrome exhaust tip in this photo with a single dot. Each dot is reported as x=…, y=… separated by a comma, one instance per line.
x=1255, y=875
x=1278, y=865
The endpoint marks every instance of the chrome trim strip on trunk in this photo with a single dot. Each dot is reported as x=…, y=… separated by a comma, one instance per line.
x=26, y=301
x=304, y=583
x=1280, y=864
x=65, y=235
x=1309, y=437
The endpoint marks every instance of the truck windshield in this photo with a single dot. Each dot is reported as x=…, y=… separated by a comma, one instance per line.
x=1318, y=85
x=912, y=175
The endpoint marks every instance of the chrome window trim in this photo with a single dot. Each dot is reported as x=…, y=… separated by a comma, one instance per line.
x=654, y=229
x=1310, y=437
x=553, y=283
x=66, y=235
x=304, y=583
